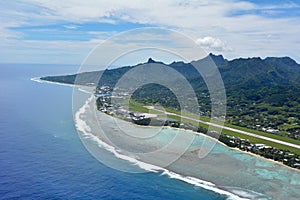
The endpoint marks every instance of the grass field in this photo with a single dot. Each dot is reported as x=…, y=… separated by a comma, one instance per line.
x=135, y=106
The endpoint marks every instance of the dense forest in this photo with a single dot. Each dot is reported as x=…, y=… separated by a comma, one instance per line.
x=262, y=94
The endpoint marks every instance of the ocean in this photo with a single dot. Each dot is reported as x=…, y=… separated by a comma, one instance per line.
x=43, y=157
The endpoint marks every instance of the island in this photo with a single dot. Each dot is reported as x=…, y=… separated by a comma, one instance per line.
x=263, y=103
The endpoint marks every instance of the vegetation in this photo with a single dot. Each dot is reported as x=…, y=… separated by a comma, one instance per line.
x=263, y=95
x=137, y=113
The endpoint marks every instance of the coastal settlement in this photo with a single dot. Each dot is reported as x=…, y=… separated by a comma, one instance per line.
x=105, y=105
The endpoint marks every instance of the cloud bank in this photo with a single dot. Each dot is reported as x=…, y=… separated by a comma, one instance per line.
x=231, y=27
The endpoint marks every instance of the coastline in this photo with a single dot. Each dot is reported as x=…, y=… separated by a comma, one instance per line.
x=80, y=88
x=149, y=167
x=177, y=174
x=189, y=165
x=204, y=135
x=246, y=152
x=261, y=157
x=37, y=79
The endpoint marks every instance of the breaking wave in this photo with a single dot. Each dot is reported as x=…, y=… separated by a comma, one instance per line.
x=230, y=193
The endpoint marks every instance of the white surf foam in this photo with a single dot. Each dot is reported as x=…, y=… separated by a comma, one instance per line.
x=84, y=89
x=86, y=131
x=37, y=79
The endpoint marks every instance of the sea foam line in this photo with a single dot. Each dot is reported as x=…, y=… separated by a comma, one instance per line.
x=37, y=79
x=80, y=88
x=83, y=127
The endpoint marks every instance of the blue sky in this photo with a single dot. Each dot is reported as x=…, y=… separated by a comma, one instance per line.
x=73, y=31
x=38, y=31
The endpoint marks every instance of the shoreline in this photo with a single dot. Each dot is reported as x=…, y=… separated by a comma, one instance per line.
x=187, y=168
x=188, y=178
x=246, y=152
x=261, y=157
x=79, y=87
x=37, y=79
x=234, y=148
x=202, y=134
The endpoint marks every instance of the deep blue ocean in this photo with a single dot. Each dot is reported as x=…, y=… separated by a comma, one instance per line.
x=42, y=157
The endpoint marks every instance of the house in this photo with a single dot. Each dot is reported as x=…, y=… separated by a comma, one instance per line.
x=271, y=130
x=258, y=146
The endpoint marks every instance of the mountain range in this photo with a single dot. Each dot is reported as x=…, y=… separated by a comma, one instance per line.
x=242, y=72
x=264, y=92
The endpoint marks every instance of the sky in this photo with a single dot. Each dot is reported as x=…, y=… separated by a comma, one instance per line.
x=66, y=31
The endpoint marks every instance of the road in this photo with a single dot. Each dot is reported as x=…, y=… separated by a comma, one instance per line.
x=228, y=128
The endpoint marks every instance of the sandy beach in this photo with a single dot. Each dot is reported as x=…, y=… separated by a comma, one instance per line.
x=216, y=140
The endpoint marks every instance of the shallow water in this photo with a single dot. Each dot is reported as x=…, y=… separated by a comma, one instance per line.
x=230, y=170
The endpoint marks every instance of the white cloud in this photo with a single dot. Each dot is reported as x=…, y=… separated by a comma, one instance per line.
x=211, y=43
x=71, y=27
x=245, y=35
